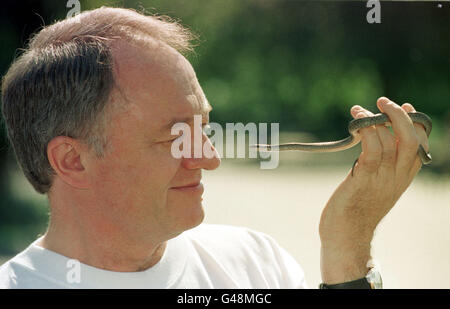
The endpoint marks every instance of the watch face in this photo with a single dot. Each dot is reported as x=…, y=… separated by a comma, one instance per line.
x=374, y=278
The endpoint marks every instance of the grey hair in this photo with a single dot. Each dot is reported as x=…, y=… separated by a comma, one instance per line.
x=62, y=83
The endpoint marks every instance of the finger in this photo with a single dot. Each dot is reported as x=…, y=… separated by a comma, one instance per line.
x=405, y=132
x=371, y=154
x=420, y=129
x=423, y=139
x=389, y=150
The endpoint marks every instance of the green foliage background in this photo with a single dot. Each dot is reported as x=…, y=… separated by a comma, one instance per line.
x=301, y=64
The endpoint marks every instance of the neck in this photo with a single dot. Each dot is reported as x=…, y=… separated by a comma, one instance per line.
x=86, y=234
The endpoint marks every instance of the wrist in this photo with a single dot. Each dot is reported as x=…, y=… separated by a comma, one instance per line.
x=343, y=264
x=342, y=227
x=372, y=280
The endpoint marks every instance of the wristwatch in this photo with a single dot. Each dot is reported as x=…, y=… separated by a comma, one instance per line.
x=371, y=281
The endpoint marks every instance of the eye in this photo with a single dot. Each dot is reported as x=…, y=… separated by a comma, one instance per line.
x=169, y=141
x=173, y=139
x=206, y=129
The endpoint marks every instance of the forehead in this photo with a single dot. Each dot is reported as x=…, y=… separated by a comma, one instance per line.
x=159, y=84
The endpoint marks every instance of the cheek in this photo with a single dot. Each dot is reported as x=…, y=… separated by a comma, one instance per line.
x=136, y=174
x=158, y=166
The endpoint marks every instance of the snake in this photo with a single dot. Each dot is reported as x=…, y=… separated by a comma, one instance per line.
x=354, y=138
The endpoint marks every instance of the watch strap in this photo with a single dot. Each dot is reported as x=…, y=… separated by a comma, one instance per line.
x=355, y=284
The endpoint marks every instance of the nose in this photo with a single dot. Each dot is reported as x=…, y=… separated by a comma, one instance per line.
x=209, y=159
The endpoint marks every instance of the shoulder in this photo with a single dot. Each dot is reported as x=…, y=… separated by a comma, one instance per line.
x=6, y=276
x=25, y=271
x=9, y=273
x=207, y=231
x=239, y=248
x=231, y=237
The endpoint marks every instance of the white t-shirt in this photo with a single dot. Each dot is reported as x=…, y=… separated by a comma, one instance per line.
x=208, y=256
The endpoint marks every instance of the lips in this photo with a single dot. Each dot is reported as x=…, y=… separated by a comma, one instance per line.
x=190, y=185
x=194, y=187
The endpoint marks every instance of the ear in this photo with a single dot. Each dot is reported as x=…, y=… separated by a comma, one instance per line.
x=65, y=155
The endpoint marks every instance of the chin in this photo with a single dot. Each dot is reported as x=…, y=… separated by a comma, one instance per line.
x=188, y=217
x=196, y=217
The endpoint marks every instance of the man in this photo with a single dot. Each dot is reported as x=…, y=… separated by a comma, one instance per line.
x=89, y=109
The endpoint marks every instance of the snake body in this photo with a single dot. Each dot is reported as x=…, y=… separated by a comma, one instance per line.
x=353, y=128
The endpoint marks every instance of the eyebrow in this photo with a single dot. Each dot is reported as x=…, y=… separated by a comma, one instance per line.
x=172, y=122
x=187, y=119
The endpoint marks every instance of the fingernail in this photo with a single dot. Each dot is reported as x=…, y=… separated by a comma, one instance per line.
x=360, y=115
x=409, y=106
x=381, y=102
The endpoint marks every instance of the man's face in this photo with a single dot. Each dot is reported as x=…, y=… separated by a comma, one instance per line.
x=145, y=190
